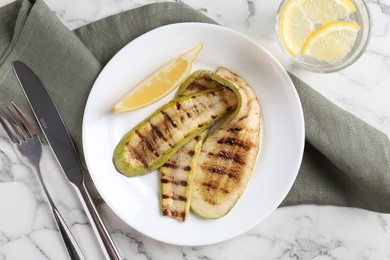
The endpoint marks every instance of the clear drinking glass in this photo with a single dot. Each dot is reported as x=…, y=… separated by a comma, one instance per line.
x=361, y=16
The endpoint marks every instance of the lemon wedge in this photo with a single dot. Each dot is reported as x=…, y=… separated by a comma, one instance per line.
x=294, y=27
x=331, y=42
x=160, y=83
x=325, y=11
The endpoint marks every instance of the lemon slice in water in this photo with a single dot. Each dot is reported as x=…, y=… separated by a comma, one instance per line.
x=325, y=11
x=294, y=27
x=160, y=83
x=331, y=42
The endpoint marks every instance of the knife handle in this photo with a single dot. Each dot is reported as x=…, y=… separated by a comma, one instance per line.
x=104, y=238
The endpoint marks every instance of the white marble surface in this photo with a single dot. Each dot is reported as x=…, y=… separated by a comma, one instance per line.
x=301, y=232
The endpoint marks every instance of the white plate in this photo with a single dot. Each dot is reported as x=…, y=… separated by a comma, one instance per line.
x=135, y=200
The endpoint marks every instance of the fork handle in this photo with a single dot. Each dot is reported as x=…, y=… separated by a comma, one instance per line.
x=73, y=249
x=70, y=243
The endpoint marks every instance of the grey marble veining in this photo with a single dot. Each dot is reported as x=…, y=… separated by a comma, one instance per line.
x=296, y=233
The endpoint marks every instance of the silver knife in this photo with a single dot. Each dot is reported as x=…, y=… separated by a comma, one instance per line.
x=54, y=129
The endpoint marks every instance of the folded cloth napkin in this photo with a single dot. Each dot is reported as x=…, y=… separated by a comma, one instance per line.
x=346, y=162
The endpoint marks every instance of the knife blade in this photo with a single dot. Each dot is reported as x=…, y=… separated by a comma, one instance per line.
x=60, y=142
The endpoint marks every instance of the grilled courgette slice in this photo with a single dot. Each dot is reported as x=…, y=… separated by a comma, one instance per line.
x=228, y=156
x=152, y=142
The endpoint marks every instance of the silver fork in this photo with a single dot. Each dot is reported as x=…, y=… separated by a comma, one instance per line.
x=28, y=148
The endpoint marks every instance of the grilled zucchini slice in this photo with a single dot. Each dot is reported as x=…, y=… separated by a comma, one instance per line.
x=228, y=156
x=152, y=142
x=176, y=175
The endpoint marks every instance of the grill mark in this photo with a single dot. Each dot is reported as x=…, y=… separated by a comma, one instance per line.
x=243, y=117
x=170, y=120
x=235, y=129
x=174, y=182
x=200, y=107
x=233, y=176
x=228, y=156
x=196, y=109
x=182, y=198
x=230, y=173
x=145, y=140
x=209, y=185
x=167, y=133
x=197, y=138
x=197, y=86
x=224, y=190
x=174, y=197
x=169, y=212
x=178, y=106
x=216, y=170
x=228, y=109
x=137, y=156
x=173, y=213
x=167, y=129
x=187, y=168
x=191, y=153
x=237, y=159
x=224, y=155
x=234, y=142
x=204, y=82
x=170, y=165
x=211, y=200
x=158, y=132
x=206, y=78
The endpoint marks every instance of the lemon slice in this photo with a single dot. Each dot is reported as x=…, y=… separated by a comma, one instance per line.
x=160, y=83
x=325, y=11
x=294, y=27
x=331, y=42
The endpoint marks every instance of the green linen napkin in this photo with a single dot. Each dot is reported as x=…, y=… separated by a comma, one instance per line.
x=346, y=162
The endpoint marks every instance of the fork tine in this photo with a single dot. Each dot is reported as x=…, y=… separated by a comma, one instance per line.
x=14, y=122
x=25, y=122
x=10, y=134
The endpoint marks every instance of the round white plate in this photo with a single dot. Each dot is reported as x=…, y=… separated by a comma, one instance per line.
x=136, y=200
